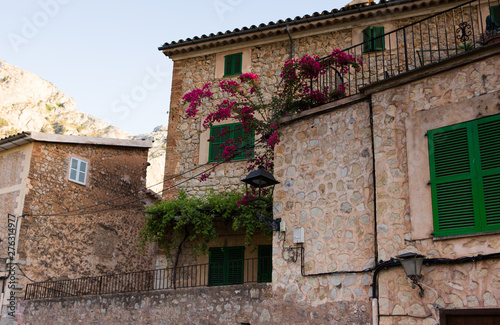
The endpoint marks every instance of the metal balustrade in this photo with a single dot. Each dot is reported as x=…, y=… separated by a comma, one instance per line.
x=251, y=270
x=421, y=43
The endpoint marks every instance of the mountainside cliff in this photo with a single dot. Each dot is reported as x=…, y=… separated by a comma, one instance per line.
x=29, y=103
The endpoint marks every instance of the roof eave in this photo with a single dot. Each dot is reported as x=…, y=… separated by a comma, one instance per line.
x=340, y=13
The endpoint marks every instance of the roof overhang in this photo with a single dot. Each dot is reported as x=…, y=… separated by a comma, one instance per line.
x=23, y=138
x=317, y=23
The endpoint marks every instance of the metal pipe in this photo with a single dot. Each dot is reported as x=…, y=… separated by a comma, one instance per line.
x=292, y=48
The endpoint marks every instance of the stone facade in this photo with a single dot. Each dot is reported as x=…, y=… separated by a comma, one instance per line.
x=245, y=304
x=70, y=230
x=402, y=114
x=58, y=243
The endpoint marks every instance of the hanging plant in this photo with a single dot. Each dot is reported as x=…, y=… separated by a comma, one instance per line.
x=197, y=219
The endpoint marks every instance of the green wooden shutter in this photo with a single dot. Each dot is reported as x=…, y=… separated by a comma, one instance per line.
x=235, y=131
x=228, y=63
x=495, y=13
x=238, y=58
x=216, y=274
x=233, y=64
x=214, y=145
x=265, y=265
x=451, y=180
x=226, y=265
x=378, y=43
x=488, y=169
x=367, y=39
x=235, y=262
x=465, y=177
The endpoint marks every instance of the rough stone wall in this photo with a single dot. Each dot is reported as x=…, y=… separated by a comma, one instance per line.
x=84, y=230
x=324, y=164
x=252, y=303
x=11, y=168
x=402, y=115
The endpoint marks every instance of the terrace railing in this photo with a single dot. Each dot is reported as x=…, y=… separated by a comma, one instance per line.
x=202, y=275
x=418, y=44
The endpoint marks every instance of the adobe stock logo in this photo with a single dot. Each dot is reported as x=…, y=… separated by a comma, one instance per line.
x=223, y=6
x=31, y=26
x=132, y=99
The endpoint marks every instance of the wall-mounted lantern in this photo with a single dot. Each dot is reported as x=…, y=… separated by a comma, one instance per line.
x=412, y=264
x=260, y=179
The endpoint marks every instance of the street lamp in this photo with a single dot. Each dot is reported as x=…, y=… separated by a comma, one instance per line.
x=260, y=179
x=412, y=264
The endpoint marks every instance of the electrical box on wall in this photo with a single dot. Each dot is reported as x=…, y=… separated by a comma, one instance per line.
x=282, y=226
x=298, y=235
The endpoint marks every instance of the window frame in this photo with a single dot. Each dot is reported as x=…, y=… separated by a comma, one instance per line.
x=369, y=42
x=465, y=177
x=78, y=171
x=233, y=64
x=215, y=145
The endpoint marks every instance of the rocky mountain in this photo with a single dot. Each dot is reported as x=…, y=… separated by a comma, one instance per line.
x=29, y=103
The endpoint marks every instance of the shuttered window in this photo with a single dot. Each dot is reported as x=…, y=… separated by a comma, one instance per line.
x=230, y=131
x=78, y=171
x=371, y=39
x=465, y=177
x=233, y=64
x=265, y=265
x=226, y=265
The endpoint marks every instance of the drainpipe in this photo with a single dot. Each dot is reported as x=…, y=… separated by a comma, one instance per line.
x=372, y=133
x=292, y=48
x=375, y=311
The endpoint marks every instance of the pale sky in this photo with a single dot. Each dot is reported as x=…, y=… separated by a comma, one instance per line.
x=105, y=54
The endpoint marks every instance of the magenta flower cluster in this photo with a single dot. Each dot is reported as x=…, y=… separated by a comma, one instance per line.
x=195, y=97
x=245, y=99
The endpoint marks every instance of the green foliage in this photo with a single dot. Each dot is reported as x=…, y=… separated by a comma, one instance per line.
x=48, y=107
x=169, y=220
x=58, y=128
x=466, y=46
x=60, y=104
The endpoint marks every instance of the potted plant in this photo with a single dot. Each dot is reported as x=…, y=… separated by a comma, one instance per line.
x=489, y=37
x=492, y=33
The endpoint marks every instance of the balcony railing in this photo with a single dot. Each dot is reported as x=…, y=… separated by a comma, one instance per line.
x=202, y=275
x=418, y=44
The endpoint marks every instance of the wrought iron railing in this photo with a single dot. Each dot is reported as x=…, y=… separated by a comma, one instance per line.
x=202, y=275
x=420, y=43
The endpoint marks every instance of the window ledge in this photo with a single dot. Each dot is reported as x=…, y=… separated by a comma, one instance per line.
x=467, y=235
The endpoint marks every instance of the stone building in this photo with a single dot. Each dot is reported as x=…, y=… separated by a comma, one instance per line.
x=70, y=207
x=406, y=163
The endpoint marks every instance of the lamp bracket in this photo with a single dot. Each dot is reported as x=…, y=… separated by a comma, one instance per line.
x=415, y=279
x=274, y=224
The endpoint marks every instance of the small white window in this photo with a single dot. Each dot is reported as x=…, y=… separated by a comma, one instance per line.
x=78, y=171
